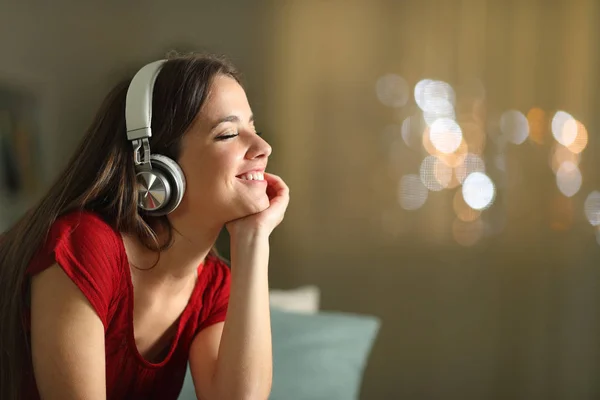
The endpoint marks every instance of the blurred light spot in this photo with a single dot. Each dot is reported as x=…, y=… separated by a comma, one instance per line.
x=538, y=125
x=392, y=90
x=581, y=136
x=453, y=181
x=559, y=123
x=467, y=233
x=514, y=126
x=478, y=191
x=420, y=92
x=568, y=178
x=438, y=108
x=471, y=163
x=411, y=131
x=463, y=211
x=456, y=158
x=427, y=145
x=429, y=92
x=560, y=155
x=442, y=173
x=412, y=194
x=427, y=174
x=592, y=208
x=445, y=135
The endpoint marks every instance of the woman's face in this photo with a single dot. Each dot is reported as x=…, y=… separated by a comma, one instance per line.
x=223, y=159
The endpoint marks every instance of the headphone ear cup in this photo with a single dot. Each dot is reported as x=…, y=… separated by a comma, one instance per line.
x=161, y=189
x=173, y=173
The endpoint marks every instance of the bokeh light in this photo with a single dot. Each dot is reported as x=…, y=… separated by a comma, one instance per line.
x=514, y=126
x=428, y=175
x=433, y=95
x=581, y=136
x=438, y=108
x=568, y=178
x=478, y=190
x=411, y=131
x=471, y=163
x=538, y=125
x=412, y=194
x=392, y=90
x=559, y=123
x=427, y=145
x=456, y=158
x=419, y=92
x=561, y=154
x=591, y=207
x=443, y=173
x=445, y=135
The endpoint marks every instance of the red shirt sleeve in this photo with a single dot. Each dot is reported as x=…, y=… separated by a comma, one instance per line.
x=88, y=251
x=218, y=289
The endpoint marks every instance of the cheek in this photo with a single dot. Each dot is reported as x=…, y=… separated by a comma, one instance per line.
x=210, y=173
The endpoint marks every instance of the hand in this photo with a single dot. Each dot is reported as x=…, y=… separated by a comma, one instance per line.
x=265, y=221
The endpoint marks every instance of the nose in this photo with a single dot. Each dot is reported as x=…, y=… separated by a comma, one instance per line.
x=259, y=148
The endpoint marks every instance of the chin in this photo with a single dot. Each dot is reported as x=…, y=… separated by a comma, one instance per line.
x=254, y=206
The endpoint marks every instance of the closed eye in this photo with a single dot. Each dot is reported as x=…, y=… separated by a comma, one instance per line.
x=227, y=136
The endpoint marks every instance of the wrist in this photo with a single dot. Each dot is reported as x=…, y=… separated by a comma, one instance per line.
x=249, y=238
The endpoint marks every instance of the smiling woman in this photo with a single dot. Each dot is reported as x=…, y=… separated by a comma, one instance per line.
x=111, y=284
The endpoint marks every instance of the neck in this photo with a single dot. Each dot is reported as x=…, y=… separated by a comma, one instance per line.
x=181, y=260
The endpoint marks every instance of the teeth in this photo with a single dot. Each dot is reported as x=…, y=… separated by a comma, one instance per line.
x=253, y=176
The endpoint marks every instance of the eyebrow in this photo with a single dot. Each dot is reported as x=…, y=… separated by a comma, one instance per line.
x=231, y=118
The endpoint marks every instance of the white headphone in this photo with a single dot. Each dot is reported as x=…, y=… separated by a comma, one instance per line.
x=160, y=181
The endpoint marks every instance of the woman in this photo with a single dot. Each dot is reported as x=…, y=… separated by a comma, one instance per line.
x=111, y=283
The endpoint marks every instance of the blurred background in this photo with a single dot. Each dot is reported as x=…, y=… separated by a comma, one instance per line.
x=442, y=157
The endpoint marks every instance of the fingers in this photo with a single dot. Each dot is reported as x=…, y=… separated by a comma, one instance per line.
x=276, y=187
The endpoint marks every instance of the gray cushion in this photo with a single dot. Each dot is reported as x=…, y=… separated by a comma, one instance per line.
x=316, y=356
x=320, y=356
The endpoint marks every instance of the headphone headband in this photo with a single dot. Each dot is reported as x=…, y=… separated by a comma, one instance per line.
x=160, y=182
x=138, y=108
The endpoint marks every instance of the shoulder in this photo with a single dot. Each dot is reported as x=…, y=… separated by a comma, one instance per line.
x=89, y=252
x=216, y=284
x=81, y=236
x=82, y=222
x=216, y=269
x=214, y=280
x=84, y=228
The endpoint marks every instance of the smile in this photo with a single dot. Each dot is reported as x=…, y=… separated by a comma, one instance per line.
x=252, y=176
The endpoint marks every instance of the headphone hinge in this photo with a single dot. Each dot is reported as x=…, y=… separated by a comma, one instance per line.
x=141, y=154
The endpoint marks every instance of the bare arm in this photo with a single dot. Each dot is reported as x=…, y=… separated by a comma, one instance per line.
x=233, y=360
x=67, y=340
x=238, y=363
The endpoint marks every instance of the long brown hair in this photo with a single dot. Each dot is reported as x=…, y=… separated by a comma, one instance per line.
x=100, y=177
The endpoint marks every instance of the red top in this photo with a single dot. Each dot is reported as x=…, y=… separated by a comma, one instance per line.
x=92, y=254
